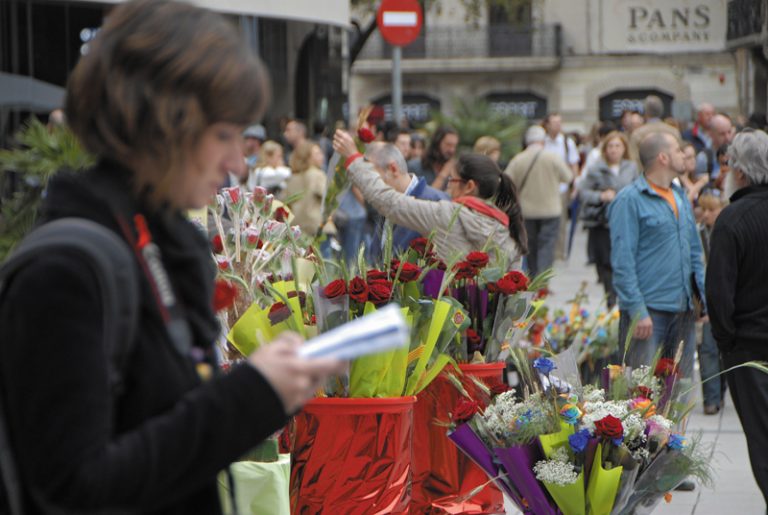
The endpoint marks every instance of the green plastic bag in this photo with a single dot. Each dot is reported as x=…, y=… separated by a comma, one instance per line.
x=260, y=488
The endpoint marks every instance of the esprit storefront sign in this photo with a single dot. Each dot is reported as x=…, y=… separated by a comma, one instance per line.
x=663, y=25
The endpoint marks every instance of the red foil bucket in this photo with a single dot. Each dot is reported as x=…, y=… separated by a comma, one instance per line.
x=352, y=456
x=443, y=476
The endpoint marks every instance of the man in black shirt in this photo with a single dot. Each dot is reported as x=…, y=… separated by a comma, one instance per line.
x=737, y=292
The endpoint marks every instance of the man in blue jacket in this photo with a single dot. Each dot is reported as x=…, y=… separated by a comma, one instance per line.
x=657, y=257
x=389, y=162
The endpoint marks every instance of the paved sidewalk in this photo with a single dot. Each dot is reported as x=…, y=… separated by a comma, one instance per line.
x=735, y=491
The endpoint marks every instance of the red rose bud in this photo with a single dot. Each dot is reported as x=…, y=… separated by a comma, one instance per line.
x=281, y=214
x=376, y=275
x=644, y=391
x=472, y=337
x=464, y=411
x=259, y=194
x=609, y=427
x=421, y=245
x=492, y=287
x=279, y=312
x=223, y=263
x=408, y=273
x=379, y=292
x=477, y=259
x=217, y=245
x=542, y=293
x=335, y=289
x=665, y=368
x=365, y=134
x=232, y=194
x=358, y=290
x=224, y=295
x=464, y=270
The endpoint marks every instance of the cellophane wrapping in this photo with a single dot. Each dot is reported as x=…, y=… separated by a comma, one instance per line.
x=352, y=456
x=443, y=476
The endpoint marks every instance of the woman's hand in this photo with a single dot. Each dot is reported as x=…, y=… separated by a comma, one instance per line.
x=344, y=144
x=607, y=195
x=294, y=379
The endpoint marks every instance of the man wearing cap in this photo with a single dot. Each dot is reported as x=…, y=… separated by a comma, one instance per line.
x=253, y=137
x=537, y=174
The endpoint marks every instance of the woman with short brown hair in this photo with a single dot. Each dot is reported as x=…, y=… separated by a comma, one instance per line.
x=159, y=99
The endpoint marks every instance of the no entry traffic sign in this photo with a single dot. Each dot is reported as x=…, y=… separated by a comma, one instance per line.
x=399, y=21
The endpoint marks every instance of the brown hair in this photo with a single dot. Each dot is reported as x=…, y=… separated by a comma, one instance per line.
x=301, y=157
x=614, y=135
x=711, y=202
x=157, y=75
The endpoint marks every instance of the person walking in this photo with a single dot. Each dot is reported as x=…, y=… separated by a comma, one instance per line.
x=537, y=175
x=161, y=99
x=307, y=180
x=737, y=292
x=602, y=182
x=656, y=257
x=483, y=206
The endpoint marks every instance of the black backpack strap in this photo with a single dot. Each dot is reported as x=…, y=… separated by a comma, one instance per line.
x=113, y=264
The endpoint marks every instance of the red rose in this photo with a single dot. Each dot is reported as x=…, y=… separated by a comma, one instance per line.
x=335, y=289
x=379, y=291
x=376, y=275
x=464, y=270
x=477, y=259
x=543, y=293
x=499, y=388
x=223, y=263
x=441, y=265
x=512, y=283
x=422, y=246
x=217, y=245
x=665, y=368
x=472, y=337
x=253, y=240
x=609, y=427
x=259, y=194
x=224, y=294
x=464, y=411
x=409, y=272
x=281, y=214
x=279, y=312
x=365, y=134
x=233, y=194
x=358, y=290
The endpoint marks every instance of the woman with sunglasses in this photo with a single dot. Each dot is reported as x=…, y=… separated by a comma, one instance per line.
x=483, y=213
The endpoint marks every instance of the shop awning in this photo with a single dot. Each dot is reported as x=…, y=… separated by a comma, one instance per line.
x=29, y=94
x=327, y=12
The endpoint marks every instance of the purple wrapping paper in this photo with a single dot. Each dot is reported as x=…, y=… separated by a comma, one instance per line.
x=589, y=455
x=518, y=461
x=432, y=282
x=471, y=445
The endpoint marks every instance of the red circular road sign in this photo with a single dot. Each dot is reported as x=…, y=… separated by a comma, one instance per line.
x=399, y=21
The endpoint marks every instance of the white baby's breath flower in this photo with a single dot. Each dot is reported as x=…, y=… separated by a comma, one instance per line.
x=592, y=394
x=594, y=411
x=555, y=472
x=662, y=421
x=634, y=426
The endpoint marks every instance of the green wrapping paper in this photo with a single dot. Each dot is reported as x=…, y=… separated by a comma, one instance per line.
x=260, y=488
x=553, y=441
x=603, y=486
x=569, y=498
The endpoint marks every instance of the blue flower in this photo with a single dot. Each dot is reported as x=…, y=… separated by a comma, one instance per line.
x=544, y=365
x=617, y=441
x=584, y=313
x=602, y=334
x=579, y=440
x=676, y=442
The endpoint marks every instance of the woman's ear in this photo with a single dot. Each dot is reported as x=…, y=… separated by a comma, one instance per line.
x=470, y=188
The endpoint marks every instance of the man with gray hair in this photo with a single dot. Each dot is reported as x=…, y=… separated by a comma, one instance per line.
x=391, y=165
x=657, y=258
x=653, y=108
x=537, y=174
x=737, y=291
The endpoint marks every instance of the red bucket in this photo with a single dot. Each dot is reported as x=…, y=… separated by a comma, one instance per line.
x=442, y=474
x=352, y=456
